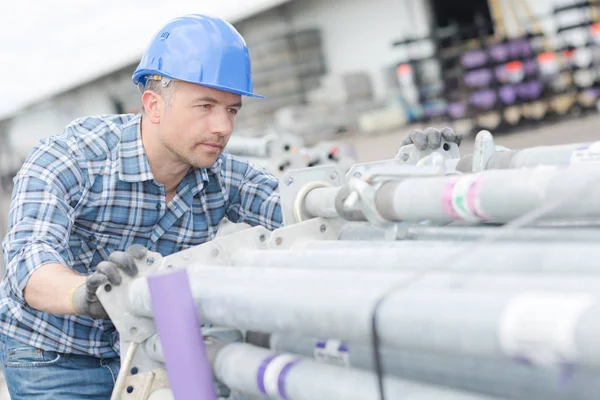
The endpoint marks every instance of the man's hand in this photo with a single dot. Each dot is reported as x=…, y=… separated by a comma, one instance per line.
x=432, y=138
x=83, y=298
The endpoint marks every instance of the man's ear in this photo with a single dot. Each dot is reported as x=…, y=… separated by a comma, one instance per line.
x=152, y=106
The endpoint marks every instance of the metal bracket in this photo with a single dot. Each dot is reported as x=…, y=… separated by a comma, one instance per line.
x=142, y=386
x=365, y=179
x=391, y=169
x=114, y=299
x=293, y=182
x=218, y=250
x=314, y=229
x=363, y=195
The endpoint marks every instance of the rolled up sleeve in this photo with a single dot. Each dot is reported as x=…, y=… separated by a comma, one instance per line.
x=254, y=196
x=41, y=214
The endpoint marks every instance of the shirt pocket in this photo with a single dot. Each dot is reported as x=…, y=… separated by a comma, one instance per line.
x=90, y=248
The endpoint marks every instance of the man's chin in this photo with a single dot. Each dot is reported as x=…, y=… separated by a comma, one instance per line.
x=205, y=162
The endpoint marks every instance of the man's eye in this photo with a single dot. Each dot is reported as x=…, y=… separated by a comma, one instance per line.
x=206, y=106
x=234, y=111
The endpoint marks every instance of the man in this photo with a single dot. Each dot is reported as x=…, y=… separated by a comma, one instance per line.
x=159, y=180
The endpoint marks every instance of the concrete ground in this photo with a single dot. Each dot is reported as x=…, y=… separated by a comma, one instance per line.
x=385, y=145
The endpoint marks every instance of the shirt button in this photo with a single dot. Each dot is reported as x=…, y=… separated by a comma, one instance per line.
x=158, y=206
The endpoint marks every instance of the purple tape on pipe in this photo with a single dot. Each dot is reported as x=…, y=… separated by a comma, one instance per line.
x=180, y=333
x=260, y=375
x=282, y=376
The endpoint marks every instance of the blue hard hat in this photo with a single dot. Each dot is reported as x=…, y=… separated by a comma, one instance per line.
x=199, y=49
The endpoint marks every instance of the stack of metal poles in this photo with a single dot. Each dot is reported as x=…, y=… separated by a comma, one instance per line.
x=478, y=284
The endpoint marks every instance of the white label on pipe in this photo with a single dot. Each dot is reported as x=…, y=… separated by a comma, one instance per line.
x=540, y=327
x=332, y=352
x=586, y=153
x=273, y=372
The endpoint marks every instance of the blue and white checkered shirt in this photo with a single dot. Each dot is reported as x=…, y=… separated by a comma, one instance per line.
x=88, y=192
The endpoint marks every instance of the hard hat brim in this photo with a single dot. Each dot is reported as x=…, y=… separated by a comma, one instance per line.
x=139, y=77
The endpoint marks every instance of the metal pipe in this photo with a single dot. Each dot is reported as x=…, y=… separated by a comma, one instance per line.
x=251, y=370
x=345, y=282
x=251, y=146
x=414, y=255
x=477, y=232
x=325, y=202
x=478, y=322
x=485, y=152
x=259, y=372
x=492, y=196
x=355, y=231
x=504, y=378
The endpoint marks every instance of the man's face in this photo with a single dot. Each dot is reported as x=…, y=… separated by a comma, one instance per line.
x=195, y=127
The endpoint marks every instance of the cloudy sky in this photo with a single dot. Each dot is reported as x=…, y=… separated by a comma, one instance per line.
x=49, y=46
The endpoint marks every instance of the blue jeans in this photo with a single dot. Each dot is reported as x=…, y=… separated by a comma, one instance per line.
x=38, y=374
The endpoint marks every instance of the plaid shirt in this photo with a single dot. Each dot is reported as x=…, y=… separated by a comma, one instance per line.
x=88, y=192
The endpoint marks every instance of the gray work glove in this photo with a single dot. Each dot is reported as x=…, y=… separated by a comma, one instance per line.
x=84, y=299
x=432, y=138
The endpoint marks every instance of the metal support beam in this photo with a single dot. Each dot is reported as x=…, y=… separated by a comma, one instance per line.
x=477, y=322
x=259, y=372
x=536, y=257
x=491, y=196
x=486, y=155
x=502, y=378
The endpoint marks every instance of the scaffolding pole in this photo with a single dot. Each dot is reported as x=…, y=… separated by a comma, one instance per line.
x=563, y=155
x=450, y=320
x=259, y=372
x=504, y=378
x=254, y=371
x=490, y=196
x=259, y=147
x=539, y=258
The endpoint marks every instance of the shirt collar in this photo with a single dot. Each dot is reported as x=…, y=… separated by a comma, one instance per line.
x=134, y=166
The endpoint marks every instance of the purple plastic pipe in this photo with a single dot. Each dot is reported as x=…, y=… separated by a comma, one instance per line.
x=473, y=58
x=181, y=337
x=508, y=94
x=479, y=77
x=457, y=110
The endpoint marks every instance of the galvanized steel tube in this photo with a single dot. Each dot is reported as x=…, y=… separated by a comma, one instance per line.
x=260, y=372
x=366, y=232
x=514, y=257
x=250, y=146
x=491, y=196
x=451, y=320
x=528, y=157
x=504, y=378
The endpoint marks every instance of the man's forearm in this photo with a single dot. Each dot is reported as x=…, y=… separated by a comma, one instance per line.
x=49, y=288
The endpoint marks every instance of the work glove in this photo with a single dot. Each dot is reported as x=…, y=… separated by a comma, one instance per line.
x=432, y=138
x=83, y=298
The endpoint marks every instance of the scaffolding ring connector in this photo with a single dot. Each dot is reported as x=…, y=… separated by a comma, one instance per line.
x=299, y=214
x=362, y=195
